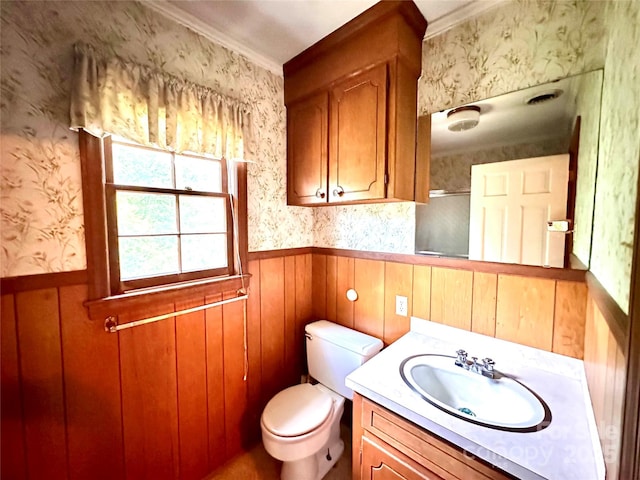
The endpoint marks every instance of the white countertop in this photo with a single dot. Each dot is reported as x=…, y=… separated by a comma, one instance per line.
x=567, y=449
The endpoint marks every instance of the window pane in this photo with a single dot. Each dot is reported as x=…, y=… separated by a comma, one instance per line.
x=142, y=213
x=202, y=252
x=141, y=167
x=199, y=174
x=142, y=257
x=203, y=214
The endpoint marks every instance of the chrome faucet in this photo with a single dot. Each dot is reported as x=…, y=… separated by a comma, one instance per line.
x=485, y=368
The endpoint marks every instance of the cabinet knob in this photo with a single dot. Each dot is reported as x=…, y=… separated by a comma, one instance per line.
x=320, y=193
x=338, y=192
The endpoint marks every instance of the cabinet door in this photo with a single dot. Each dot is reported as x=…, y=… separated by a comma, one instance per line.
x=358, y=137
x=307, y=143
x=386, y=463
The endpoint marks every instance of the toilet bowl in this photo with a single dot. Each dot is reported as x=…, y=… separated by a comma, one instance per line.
x=301, y=424
x=301, y=427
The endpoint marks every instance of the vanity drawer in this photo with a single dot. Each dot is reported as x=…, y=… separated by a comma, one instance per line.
x=381, y=461
x=436, y=455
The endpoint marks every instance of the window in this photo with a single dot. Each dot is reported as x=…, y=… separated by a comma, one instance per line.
x=168, y=217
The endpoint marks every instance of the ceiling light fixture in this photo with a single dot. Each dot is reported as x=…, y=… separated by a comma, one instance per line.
x=463, y=118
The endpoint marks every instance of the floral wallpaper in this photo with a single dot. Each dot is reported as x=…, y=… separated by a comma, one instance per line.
x=41, y=194
x=619, y=153
x=453, y=171
x=384, y=227
x=515, y=45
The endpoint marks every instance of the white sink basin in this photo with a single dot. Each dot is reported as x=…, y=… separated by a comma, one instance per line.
x=502, y=403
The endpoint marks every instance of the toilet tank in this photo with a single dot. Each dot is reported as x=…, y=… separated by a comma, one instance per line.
x=334, y=351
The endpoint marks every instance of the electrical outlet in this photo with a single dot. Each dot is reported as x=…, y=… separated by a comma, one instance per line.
x=402, y=306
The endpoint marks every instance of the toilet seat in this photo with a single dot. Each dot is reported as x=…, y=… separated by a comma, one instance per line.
x=297, y=410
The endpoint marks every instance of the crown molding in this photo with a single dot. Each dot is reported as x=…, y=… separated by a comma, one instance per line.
x=210, y=33
x=462, y=14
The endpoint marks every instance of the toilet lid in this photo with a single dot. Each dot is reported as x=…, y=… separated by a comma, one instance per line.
x=297, y=410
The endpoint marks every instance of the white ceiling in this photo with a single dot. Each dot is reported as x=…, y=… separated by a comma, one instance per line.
x=271, y=32
x=508, y=120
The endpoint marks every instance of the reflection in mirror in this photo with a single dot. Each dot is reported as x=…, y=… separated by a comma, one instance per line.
x=540, y=124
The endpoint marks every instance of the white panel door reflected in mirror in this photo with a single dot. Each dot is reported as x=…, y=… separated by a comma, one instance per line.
x=511, y=205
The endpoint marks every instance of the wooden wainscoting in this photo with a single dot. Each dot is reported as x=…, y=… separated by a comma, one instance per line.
x=165, y=400
x=545, y=313
x=605, y=361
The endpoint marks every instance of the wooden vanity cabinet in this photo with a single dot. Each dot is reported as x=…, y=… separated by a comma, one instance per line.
x=388, y=447
x=351, y=110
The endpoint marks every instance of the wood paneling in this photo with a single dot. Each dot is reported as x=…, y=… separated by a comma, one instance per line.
x=422, y=291
x=283, y=252
x=344, y=281
x=26, y=283
x=235, y=387
x=41, y=382
x=290, y=327
x=92, y=391
x=531, y=310
x=149, y=398
x=461, y=264
x=525, y=309
x=12, y=463
x=191, y=353
x=369, y=307
x=216, y=419
x=398, y=280
x=168, y=398
x=254, y=344
x=605, y=366
x=162, y=400
x=451, y=295
x=319, y=286
x=615, y=317
x=483, y=310
x=569, y=320
x=304, y=309
x=272, y=315
x=332, y=285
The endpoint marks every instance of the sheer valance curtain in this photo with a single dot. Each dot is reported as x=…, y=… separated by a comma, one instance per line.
x=112, y=96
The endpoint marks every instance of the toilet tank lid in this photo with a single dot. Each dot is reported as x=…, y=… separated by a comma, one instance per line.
x=352, y=340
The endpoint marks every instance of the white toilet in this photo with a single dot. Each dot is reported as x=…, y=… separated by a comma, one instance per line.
x=301, y=424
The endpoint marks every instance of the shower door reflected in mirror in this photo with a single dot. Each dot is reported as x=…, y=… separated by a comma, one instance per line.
x=556, y=118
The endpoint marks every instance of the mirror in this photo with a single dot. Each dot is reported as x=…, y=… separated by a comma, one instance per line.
x=560, y=118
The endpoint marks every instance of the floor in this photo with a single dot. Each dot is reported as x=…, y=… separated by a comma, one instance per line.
x=256, y=464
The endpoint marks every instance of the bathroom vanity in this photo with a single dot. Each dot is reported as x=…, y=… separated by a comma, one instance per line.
x=393, y=448
x=397, y=433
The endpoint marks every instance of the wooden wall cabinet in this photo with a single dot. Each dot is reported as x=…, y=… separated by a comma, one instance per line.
x=307, y=146
x=388, y=447
x=351, y=110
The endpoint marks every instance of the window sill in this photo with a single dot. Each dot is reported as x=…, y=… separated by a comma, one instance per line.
x=141, y=300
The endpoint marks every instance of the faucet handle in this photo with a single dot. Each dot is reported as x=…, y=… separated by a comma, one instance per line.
x=488, y=364
x=462, y=357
